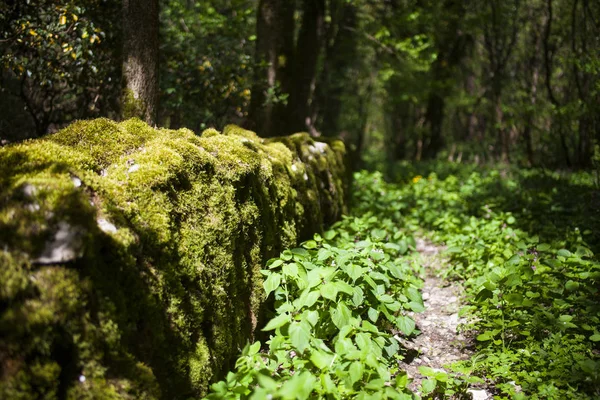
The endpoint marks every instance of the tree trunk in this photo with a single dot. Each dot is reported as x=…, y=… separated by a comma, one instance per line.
x=140, y=60
x=310, y=42
x=274, y=59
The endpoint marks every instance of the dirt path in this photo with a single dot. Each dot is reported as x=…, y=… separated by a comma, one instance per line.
x=439, y=343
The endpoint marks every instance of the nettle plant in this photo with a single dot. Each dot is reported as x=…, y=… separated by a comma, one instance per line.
x=533, y=290
x=340, y=302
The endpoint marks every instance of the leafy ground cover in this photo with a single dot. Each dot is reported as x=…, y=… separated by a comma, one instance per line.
x=521, y=244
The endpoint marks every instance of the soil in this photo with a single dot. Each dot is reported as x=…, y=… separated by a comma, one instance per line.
x=440, y=343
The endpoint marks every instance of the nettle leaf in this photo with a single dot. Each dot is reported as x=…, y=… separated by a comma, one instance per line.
x=416, y=306
x=344, y=287
x=354, y=271
x=428, y=385
x=369, y=327
x=405, y=324
x=310, y=244
x=312, y=317
x=324, y=254
x=358, y=296
x=564, y=253
x=277, y=322
x=485, y=336
x=299, y=387
x=321, y=359
x=355, y=372
x=274, y=263
x=514, y=260
x=373, y=314
x=341, y=315
x=514, y=298
x=300, y=334
x=363, y=341
x=414, y=294
x=329, y=291
x=271, y=283
x=403, y=246
x=395, y=271
x=329, y=235
x=290, y=269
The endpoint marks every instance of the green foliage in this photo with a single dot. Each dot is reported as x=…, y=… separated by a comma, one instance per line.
x=518, y=241
x=206, y=62
x=339, y=300
x=57, y=60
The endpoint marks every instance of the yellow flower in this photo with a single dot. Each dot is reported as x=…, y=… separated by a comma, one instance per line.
x=417, y=178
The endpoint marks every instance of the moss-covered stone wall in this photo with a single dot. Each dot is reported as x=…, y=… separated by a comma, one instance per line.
x=130, y=256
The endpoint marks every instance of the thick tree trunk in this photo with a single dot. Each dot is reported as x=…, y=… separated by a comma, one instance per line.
x=275, y=60
x=140, y=60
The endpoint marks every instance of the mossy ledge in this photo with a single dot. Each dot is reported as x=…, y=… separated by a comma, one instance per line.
x=130, y=256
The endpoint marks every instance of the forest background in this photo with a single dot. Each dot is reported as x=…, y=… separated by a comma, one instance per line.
x=497, y=80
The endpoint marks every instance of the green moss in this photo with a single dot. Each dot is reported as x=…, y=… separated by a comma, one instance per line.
x=131, y=255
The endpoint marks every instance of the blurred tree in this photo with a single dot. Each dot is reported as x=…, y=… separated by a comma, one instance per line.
x=140, y=59
x=275, y=67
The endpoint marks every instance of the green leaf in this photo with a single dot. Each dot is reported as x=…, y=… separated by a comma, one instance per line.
x=254, y=348
x=341, y=315
x=274, y=263
x=363, y=341
x=312, y=317
x=595, y=337
x=428, y=386
x=564, y=253
x=543, y=247
x=358, y=296
x=329, y=291
x=343, y=287
x=416, y=307
x=309, y=244
x=299, y=387
x=571, y=285
x=403, y=246
x=373, y=314
x=414, y=294
x=329, y=235
x=277, y=322
x=321, y=359
x=514, y=298
x=354, y=271
x=485, y=336
x=405, y=324
x=565, y=318
x=514, y=260
x=355, y=372
x=271, y=283
x=300, y=335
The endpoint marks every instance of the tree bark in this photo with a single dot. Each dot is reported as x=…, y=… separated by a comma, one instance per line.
x=140, y=60
x=275, y=60
x=310, y=42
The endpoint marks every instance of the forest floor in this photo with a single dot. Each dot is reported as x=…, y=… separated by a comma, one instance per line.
x=441, y=342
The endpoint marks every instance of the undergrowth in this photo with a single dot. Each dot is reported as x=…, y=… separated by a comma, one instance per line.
x=519, y=244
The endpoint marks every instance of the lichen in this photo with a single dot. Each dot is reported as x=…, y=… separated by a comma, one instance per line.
x=166, y=232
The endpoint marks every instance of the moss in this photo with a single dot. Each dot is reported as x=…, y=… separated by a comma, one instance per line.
x=131, y=255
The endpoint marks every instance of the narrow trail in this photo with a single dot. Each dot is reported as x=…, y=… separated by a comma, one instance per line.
x=440, y=343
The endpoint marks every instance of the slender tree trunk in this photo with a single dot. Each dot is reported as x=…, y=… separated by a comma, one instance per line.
x=140, y=60
x=275, y=61
x=334, y=81
x=308, y=50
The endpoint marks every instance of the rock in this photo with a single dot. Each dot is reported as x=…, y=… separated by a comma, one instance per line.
x=67, y=245
x=477, y=394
